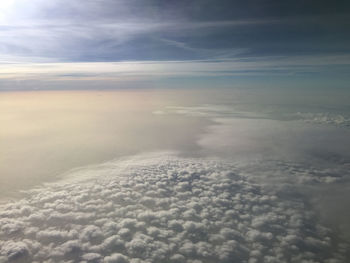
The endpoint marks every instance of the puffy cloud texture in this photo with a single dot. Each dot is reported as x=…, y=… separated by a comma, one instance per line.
x=163, y=209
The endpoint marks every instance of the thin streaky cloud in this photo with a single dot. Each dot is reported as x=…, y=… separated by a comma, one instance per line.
x=247, y=66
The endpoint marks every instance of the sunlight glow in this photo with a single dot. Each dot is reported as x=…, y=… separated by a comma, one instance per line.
x=5, y=4
x=6, y=8
x=19, y=12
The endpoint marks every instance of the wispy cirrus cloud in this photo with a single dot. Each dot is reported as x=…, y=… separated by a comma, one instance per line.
x=143, y=39
x=148, y=30
x=119, y=70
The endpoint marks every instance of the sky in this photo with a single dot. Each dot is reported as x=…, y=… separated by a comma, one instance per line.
x=104, y=43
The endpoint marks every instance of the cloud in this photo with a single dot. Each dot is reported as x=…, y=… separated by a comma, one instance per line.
x=270, y=139
x=162, y=208
x=275, y=134
x=142, y=71
x=14, y=250
x=296, y=152
x=324, y=118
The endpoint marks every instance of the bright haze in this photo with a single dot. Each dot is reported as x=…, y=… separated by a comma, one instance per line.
x=174, y=131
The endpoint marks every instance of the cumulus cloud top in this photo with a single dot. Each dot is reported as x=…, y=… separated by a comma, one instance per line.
x=164, y=209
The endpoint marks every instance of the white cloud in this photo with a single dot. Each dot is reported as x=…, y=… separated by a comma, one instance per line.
x=162, y=208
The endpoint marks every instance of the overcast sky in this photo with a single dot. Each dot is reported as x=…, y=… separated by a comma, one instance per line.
x=220, y=39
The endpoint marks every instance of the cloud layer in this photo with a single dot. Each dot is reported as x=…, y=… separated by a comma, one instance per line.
x=162, y=208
